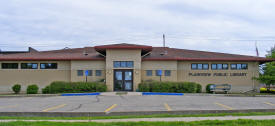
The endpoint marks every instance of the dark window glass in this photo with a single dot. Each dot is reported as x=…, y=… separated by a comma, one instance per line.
x=194, y=66
x=224, y=66
x=79, y=72
x=29, y=66
x=48, y=65
x=233, y=66
x=244, y=66
x=205, y=66
x=98, y=72
x=90, y=72
x=122, y=64
x=9, y=65
x=116, y=64
x=149, y=72
x=130, y=64
x=214, y=66
x=167, y=72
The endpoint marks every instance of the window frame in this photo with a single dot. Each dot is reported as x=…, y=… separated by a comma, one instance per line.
x=47, y=64
x=126, y=64
x=27, y=65
x=80, y=75
x=17, y=65
x=197, y=66
x=149, y=71
x=96, y=73
x=241, y=66
x=166, y=74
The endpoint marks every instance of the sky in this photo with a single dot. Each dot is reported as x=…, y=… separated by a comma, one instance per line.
x=227, y=26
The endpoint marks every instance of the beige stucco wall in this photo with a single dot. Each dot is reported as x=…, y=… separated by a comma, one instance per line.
x=122, y=55
x=239, y=83
x=9, y=77
x=87, y=65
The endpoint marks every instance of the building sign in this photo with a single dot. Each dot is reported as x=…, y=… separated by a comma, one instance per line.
x=217, y=74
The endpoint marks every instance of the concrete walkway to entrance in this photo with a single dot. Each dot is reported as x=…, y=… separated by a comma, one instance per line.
x=185, y=119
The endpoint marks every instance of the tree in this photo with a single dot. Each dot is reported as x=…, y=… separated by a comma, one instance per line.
x=267, y=76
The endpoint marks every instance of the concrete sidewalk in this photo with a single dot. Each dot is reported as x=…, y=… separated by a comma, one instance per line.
x=185, y=119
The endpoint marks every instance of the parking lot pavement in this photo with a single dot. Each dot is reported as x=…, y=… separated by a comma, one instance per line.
x=132, y=103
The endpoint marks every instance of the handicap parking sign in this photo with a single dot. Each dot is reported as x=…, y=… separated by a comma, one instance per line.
x=159, y=72
x=86, y=72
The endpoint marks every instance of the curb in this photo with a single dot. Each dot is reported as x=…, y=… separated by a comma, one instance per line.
x=91, y=114
x=80, y=94
x=159, y=93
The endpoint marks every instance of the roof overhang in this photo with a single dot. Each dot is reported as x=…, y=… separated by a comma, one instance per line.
x=260, y=60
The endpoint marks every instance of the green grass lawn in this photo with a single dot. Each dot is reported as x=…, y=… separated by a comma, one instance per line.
x=195, y=123
x=138, y=116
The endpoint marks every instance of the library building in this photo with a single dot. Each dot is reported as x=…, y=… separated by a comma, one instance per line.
x=123, y=66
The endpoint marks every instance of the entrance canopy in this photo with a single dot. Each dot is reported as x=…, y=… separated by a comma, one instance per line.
x=144, y=48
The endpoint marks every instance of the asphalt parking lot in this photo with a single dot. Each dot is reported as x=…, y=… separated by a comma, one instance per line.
x=132, y=103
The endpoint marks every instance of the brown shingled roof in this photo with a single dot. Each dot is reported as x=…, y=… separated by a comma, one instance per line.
x=156, y=53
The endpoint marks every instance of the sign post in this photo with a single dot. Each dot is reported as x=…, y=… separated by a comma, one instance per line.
x=159, y=73
x=86, y=74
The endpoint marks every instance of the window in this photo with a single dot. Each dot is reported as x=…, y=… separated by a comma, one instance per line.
x=79, y=72
x=219, y=66
x=98, y=72
x=48, y=65
x=239, y=66
x=149, y=72
x=90, y=73
x=194, y=66
x=29, y=66
x=9, y=65
x=167, y=72
x=123, y=64
x=199, y=66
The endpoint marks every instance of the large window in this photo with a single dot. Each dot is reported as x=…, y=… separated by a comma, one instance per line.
x=48, y=65
x=29, y=65
x=199, y=66
x=149, y=72
x=219, y=66
x=9, y=65
x=123, y=64
x=239, y=66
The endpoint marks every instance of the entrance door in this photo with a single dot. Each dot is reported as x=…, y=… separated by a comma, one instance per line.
x=123, y=80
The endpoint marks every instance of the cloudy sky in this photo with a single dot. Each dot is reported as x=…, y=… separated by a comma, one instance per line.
x=228, y=26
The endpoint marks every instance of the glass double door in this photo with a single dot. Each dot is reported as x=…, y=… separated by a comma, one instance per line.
x=123, y=80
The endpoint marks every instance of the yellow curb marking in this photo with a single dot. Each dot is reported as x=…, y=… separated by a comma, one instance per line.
x=10, y=106
x=110, y=108
x=53, y=108
x=167, y=107
x=269, y=103
x=224, y=106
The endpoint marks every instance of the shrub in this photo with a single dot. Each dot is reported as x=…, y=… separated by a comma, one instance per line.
x=32, y=89
x=46, y=90
x=207, y=88
x=199, y=88
x=74, y=87
x=16, y=88
x=176, y=87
